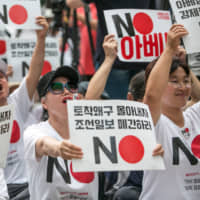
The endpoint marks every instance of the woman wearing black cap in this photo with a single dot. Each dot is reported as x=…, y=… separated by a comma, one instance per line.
x=48, y=148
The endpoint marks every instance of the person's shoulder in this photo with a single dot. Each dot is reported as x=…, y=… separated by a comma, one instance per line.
x=161, y=119
x=192, y=114
x=193, y=106
x=39, y=126
x=19, y=90
x=163, y=122
x=193, y=110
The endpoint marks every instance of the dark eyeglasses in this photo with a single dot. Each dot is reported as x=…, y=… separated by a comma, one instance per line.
x=58, y=87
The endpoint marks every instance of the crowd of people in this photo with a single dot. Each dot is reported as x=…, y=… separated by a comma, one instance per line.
x=39, y=165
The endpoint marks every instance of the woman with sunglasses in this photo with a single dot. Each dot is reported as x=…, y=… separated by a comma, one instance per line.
x=168, y=86
x=48, y=147
x=47, y=144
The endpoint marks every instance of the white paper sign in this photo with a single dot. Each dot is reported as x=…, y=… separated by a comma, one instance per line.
x=188, y=14
x=6, y=121
x=141, y=34
x=19, y=14
x=20, y=53
x=114, y=135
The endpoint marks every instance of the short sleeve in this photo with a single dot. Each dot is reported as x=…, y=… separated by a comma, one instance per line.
x=193, y=111
x=31, y=135
x=21, y=100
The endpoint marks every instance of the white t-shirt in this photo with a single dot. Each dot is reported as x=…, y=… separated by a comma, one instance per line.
x=181, y=179
x=15, y=168
x=83, y=186
x=3, y=186
x=35, y=115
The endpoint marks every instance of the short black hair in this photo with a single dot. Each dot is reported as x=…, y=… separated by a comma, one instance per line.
x=137, y=85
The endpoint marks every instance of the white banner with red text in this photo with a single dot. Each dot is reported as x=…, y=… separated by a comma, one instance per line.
x=141, y=34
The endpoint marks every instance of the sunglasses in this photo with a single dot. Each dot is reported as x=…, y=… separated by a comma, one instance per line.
x=58, y=87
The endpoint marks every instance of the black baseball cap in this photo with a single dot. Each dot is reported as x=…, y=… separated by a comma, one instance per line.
x=49, y=77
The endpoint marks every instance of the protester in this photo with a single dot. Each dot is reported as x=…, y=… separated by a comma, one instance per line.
x=95, y=88
x=119, y=73
x=167, y=90
x=48, y=143
x=3, y=187
x=98, y=81
x=128, y=185
x=15, y=171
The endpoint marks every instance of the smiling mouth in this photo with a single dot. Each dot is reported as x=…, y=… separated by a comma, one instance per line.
x=181, y=95
x=1, y=87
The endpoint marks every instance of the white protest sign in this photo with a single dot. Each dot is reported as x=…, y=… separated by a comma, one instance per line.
x=20, y=53
x=6, y=121
x=114, y=135
x=19, y=14
x=188, y=14
x=141, y=34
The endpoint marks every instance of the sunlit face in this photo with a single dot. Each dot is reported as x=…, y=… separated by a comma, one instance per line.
x=178, y=89
x=55, y=104
x=4, y=89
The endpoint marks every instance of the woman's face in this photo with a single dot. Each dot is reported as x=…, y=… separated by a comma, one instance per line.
x=56, y=103
x=178, y=89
